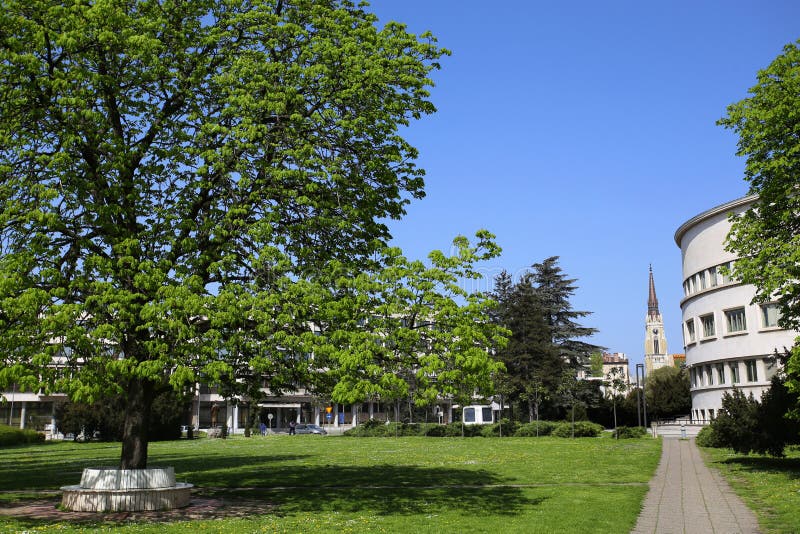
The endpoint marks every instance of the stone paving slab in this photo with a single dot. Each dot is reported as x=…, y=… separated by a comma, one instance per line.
x=687, y=497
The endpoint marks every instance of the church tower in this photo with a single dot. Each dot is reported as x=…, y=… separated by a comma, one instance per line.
x=655, y=342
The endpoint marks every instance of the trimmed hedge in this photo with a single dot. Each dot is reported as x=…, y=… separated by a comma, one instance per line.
x=374, y=428
x=529, y=430
x=707, y=438
x=629, y=432
x=508, y=427
x=583, y=429
x=15, y=436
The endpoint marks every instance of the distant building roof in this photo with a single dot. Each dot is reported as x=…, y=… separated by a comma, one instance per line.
x=615, y=357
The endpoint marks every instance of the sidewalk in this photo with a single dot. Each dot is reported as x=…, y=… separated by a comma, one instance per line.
x=687, y=497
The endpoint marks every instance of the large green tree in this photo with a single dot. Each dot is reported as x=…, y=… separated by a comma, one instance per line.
x=533, y=366
x=413, y=331
x=546, y=341
x=766, y=238
x=175, y=177
x=667, y=393
x=555, y=290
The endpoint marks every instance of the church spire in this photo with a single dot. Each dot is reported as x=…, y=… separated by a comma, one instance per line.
x=652, y=301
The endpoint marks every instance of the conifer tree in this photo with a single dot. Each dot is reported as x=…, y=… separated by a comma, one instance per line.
x=542, y=349
x=555, y=290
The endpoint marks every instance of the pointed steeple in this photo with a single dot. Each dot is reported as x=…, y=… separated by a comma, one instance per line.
x=652, y=301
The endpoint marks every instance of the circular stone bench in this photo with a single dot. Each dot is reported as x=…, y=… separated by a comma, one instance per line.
x=106, y=489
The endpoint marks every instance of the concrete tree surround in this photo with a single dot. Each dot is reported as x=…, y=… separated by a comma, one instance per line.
x=107, y=489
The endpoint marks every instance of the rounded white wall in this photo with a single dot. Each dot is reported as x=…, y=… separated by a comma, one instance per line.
x=710, y=358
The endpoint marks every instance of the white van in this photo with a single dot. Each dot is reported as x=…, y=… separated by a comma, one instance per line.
x=477, y=414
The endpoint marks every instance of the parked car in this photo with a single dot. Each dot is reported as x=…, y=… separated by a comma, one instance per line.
x=305, y=428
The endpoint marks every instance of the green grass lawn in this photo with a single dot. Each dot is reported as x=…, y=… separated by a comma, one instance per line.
x=769, y=486
x=340, y=484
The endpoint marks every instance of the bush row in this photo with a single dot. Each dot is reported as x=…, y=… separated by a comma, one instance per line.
x=374, y=428
x=15, y=436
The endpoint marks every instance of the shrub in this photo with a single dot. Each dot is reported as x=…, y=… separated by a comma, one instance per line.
x=507, y=427
x=629, y=432
x=583, y=429
x=369, y=429
x=436, y=431
x=454, y=430
x=470, y=431
x=708, y=438
x=16, y=436
x=545, y=428
x=737, y=424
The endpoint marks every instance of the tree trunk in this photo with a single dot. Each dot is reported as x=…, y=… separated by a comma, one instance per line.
x=134, y=433
x=531, y=411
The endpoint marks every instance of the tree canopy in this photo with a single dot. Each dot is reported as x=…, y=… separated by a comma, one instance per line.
x=667, y=391
x=766, y=238
x=179, y=181
x=545, y=342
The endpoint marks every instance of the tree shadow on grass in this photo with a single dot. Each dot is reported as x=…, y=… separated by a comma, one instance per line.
x=290, y=483
x=789, y=467
x=381, y=489
x=485, y=501
x=44, y=468
x=384, y=490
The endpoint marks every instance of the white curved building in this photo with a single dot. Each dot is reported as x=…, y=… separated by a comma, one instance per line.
x=729, y=341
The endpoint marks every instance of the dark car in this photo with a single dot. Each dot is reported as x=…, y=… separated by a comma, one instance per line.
x=305, y=428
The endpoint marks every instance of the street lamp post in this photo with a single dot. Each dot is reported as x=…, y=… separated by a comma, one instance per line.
x=644, y=397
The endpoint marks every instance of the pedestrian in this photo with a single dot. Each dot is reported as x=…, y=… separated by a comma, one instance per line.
x=291, y=427
x=263, y=428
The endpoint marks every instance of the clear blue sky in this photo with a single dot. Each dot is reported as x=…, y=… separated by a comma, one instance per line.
x=586, y=130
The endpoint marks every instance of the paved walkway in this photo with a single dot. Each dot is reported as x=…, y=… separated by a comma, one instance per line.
x=687, y=497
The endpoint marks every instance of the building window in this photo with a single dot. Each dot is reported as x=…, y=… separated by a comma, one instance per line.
x=701, y=279
x=710, y=375
x=770, y=315
x=734, y=367
x=712, y=276
x=752, y=371
x=690, y=335
x=708, y=325
x=727, y=272
x=720, y=373
x=469, y=415
x=735, y=320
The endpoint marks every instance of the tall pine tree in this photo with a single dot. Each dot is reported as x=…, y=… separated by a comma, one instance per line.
x=555, y=290
x=543, y=347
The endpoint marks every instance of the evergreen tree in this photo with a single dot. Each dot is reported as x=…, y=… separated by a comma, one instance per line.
x=554, y=290
x=533, y=366
x=542, y=349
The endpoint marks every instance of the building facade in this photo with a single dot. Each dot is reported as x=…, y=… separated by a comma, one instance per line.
x=730, y=342
x=616, y=361
x=655, y=340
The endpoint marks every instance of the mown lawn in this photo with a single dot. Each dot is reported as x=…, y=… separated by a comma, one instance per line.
x=769, y=486
x=341, y=484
